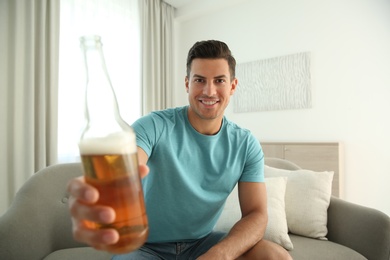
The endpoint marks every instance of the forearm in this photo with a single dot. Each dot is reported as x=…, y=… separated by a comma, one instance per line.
x=242, y=237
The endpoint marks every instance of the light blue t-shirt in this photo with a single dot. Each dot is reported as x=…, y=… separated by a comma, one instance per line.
x=192, y=174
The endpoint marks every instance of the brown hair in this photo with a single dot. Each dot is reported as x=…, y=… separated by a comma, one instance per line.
x=211, y=49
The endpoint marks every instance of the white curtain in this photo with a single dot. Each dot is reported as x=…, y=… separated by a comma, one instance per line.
x=117, y=22
x=28, y=91
x=157, y=55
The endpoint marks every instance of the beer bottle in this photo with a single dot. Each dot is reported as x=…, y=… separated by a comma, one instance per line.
x=109, y=154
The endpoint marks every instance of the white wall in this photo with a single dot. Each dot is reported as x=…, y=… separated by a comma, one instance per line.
x=349, y=41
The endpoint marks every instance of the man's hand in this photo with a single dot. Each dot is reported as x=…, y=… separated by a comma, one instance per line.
x=83, y=208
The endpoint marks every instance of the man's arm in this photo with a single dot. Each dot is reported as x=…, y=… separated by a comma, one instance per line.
x=249, y=230
x=142, y=156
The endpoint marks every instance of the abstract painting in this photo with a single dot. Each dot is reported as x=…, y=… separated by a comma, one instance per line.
x=273, y=84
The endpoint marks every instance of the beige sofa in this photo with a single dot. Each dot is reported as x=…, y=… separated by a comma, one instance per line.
x=37, y=225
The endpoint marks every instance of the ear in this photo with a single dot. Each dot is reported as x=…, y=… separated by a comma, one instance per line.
x=233, y=86
x=187, y=83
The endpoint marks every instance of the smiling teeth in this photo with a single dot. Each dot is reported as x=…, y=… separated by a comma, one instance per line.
x=209, y=102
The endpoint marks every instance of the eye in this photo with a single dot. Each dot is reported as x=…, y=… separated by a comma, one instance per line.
x=220, y=81
x=198, y=80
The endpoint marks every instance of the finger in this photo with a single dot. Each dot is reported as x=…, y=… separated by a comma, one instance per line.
x=91, y=212
x=82, y=191
x=97, y=238
x=143, y=170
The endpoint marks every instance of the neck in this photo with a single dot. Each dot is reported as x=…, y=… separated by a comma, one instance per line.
x=202, y=125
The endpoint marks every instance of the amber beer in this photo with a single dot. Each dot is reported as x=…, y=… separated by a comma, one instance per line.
x=111, y=166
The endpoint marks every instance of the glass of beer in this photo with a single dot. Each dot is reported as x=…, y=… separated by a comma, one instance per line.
x=111, y=165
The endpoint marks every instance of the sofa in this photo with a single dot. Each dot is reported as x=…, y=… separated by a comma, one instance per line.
x=37, y=224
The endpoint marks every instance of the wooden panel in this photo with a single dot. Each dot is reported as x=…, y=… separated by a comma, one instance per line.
x=273, y=150
x=310, y=156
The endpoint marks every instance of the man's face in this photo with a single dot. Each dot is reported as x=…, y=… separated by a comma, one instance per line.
x=209, y=88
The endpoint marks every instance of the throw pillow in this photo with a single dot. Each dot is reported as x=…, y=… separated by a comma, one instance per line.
x=276, y=230
x=307, y=200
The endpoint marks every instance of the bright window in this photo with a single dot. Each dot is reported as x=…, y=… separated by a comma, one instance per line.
x=117, y=22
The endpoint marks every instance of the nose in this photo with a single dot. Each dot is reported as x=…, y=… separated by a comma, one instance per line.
x=209, y=89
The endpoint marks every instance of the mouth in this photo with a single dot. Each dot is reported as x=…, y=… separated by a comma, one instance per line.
x=208, y=102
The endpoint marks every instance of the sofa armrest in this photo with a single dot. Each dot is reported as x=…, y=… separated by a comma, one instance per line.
x=38, y=221
x=363, y=229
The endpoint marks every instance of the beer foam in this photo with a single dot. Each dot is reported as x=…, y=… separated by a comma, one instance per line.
x=116, y=143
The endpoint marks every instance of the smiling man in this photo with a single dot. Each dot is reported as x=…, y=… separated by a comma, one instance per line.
x=195, y=156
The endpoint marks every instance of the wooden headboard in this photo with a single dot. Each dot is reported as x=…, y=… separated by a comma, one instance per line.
x=310, y=156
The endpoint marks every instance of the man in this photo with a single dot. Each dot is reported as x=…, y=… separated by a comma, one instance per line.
x=196, y=157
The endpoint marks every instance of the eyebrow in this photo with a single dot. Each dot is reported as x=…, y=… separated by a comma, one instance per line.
x=216, y=77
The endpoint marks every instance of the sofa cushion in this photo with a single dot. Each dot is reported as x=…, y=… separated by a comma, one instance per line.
x=307, y=200
x=308, y=249
x=276, y=230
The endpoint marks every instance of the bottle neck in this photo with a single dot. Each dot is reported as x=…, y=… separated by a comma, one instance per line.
x=101, y=107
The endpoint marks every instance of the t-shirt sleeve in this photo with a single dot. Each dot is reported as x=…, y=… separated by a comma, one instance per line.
x=148, y=130
x=254, y=165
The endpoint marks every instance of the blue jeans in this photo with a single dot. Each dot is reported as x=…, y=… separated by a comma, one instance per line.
x=179, y=250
